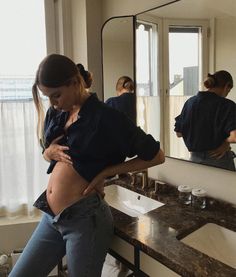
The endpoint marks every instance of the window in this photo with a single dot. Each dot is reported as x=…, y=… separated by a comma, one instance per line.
x=185, y=59
x=23, y=45
x=146, y=59
x=147, y=77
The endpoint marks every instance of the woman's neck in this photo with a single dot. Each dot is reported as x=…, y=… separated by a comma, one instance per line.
x=218, y=91
x=83, y=97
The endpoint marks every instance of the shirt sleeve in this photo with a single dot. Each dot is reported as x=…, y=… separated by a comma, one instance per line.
x=229, y=118
x=132, y=139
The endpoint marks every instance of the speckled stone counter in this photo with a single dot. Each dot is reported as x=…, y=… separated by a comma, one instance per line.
x=158, y=232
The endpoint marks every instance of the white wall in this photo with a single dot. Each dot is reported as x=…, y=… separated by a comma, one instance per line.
x=225, y=51
x=225, y=41
x=128, y=7
x=118, y=61
x=14, y=233
x=79, y=31
x=86, y=38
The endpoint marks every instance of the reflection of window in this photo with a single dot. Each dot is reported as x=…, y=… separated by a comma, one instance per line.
x=146, y=59
x=184, y=59
x=23, y=45
x=185, y=70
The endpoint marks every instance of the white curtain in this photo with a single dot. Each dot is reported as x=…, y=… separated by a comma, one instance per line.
x=22, y=168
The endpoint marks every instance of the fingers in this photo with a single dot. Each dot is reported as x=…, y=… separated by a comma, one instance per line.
x=89, y=189
x=217, y=155
x=66, y=159
x=63, y=147
x=56, y=152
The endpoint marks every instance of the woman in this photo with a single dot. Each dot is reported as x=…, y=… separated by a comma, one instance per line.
x=125, y=101
x=207, y=122
x=85, y=142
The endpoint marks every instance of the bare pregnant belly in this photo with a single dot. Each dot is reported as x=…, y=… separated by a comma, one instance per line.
x=65, y=187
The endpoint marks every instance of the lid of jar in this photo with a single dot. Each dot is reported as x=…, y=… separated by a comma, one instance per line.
x=199, y=192
x=184, y=188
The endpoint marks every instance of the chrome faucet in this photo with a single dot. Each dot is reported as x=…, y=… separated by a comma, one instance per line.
x=144, y=178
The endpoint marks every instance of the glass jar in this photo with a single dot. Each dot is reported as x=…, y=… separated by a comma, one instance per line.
x=199, y=198
x=184, y=194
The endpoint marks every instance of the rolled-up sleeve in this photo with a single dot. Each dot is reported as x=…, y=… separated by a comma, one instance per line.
x=132, y=140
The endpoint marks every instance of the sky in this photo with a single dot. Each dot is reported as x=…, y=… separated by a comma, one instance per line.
x=23, y=39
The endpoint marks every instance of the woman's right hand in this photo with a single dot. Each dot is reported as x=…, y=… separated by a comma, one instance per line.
x=220, y=151
x=56, y=152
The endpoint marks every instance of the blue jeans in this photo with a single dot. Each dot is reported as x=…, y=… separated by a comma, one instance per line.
x=82, y=231
x=226, y=162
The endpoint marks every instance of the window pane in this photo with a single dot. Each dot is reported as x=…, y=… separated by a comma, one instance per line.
x=184, y=60
x=184, y=67
x=23, y=45
x=146, y=59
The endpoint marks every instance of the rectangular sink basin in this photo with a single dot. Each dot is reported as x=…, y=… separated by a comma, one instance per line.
x=129, y=202
x=215, y=241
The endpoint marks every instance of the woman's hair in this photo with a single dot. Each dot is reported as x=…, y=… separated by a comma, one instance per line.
x=219, y=79
x=54, y=71
x=87, y=76
x=125, y=82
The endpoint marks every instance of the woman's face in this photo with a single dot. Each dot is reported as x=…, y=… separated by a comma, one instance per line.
x=62, y=98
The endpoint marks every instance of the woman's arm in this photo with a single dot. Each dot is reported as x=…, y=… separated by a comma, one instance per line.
x=220, y=151
x=128, y=166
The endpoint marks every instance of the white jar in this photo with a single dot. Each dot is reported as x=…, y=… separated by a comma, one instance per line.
x=184, y=194
x=199, y=198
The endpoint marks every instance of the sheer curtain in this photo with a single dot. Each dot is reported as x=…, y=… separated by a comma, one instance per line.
x=22, y=168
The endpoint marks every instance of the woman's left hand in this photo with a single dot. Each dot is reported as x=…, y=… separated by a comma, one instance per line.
x=96, y=184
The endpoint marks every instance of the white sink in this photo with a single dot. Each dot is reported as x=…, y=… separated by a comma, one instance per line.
x=214, y=241
x=129, y=202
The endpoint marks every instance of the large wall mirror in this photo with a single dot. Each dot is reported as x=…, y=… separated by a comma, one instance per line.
x=184, y=41
x=176, y=45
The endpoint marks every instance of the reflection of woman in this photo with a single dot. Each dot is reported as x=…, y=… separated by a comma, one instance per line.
x=125, y=100
x=93, y=142
x=207, y=122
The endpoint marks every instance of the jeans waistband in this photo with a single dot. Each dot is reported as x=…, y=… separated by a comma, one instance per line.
x=42, y=204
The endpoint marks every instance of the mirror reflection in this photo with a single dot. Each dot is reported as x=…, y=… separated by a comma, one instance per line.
x=176, y=47
x=117, y=52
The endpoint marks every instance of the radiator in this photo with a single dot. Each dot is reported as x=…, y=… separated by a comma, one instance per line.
x=16, y=254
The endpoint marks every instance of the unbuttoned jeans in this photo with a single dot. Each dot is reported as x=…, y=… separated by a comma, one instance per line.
x=82, y=231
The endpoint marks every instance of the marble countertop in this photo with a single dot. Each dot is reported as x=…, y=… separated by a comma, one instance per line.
x=158, y=232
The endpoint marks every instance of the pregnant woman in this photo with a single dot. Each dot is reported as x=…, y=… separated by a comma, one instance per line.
x=85, y=142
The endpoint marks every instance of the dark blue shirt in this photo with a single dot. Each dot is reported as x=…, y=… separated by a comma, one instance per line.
x=101, y=136
x=206, y=120
x=125, y=103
